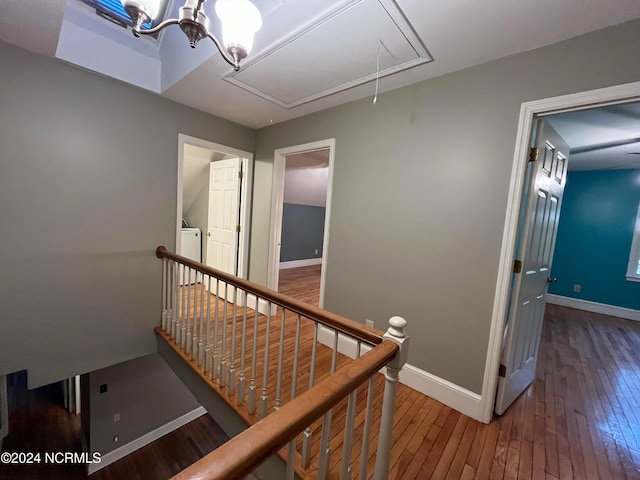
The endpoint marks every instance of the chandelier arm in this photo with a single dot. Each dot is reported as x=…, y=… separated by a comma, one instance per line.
x=235, y=63
x=172, y=21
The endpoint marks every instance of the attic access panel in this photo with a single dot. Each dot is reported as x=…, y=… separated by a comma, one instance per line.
x=335, y=52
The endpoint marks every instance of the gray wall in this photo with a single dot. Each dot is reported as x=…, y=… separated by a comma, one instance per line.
x=420, y=192
x=302, y=232
x=144, y=391
x=88, y=169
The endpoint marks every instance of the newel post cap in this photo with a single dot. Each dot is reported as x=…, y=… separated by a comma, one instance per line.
x=396, y=333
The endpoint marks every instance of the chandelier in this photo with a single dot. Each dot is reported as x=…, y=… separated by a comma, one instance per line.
x=240, y=20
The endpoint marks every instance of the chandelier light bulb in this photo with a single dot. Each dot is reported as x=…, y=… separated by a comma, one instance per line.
x=240, y=20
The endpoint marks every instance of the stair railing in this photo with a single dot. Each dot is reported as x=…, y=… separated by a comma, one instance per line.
x=261, y=348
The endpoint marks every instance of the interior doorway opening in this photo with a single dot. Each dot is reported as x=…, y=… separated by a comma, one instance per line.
x=301, y=209
x=529, y=114
x=213, y=204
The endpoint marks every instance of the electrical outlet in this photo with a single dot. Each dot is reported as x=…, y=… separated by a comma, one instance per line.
x=576, y=288
x=116, y=417
x=316, y=252
x=369, y=323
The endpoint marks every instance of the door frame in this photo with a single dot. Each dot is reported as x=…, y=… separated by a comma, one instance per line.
x=246, y=194
x=529, y=113
x=277, y=199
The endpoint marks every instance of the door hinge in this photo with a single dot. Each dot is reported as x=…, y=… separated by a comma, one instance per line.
x=502, y=371
x=238, y=229
x=240, y=174
x=517, y=266
x=533, y=154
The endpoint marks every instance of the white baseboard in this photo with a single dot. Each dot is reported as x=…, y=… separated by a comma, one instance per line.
x=263, y=305
x=146, y=439
x=439, y=389
x=594, y=307
x=300, y=263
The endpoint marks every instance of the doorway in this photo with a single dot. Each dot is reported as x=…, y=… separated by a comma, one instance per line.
x=529, y=113
x=302, y=185
x=198, y=161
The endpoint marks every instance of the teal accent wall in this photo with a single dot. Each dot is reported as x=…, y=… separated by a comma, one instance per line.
x=594, y=237
x=302, y=232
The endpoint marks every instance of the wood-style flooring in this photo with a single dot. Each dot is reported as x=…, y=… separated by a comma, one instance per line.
x=580, y=419
x=39, y=423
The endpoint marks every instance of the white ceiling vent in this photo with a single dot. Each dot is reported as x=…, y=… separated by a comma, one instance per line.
x=315, y=61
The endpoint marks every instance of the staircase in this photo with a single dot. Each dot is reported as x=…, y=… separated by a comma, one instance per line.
x=325, y=415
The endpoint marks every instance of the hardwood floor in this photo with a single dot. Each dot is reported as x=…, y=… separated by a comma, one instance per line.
x=580, y=419
x=39, y=423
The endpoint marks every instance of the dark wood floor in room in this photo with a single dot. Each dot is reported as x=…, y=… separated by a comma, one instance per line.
x=580, y=419
x=39, y=423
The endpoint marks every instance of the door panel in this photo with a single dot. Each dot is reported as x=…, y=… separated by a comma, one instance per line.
x=224, y=201
x=535, y=249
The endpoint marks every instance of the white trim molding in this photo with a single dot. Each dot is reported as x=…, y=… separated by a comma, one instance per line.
x=439, y=389
x=595, y=307
x=529, y=111
x=300, y=263
x=146, y=439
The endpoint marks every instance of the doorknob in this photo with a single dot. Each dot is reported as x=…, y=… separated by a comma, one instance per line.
x=552, y=280
x=208, y=234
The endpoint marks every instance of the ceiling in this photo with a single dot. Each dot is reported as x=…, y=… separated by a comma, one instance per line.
x=604, y=138
x=310, y=54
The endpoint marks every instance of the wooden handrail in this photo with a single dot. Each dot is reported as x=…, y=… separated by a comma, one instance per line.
x=329, y=319
x=244, y=453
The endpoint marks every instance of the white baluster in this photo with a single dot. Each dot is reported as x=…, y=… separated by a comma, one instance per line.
x=174, y=299
x=325, y=447
x=291, y=452
x=347, y=443
x=201, y=330
x=172, y=305
x=232, y=363
x=264, y=398
x=251, y=405
x=280, y=358
x=194, y=328
x=223, y=363
x=165, y=284
x=290, y=472
x=296, y=352
x=396, y=334
x=186, y=340
x=208, y=361
x=323, y=458
x=334, y=354
x=183, y=303
x=307, y=436
x=214, y=369
x=243, y=348
x=366, y=435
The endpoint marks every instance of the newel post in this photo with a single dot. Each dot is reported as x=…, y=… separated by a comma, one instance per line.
x=396, y=334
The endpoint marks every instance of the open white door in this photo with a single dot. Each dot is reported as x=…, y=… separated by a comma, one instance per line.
x=547, y=178
x=223, y=227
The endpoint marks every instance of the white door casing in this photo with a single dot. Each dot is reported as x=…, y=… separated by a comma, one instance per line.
x=539, y=229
